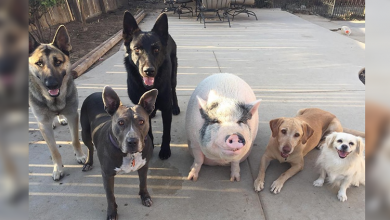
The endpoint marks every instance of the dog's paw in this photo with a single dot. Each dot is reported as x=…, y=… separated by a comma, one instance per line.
x=81, y=159
x=342, y=196
x=164, y=153
x=175, y=110
x=146, y=201
x=87, y=167
x=319, y=182
x=193, y=175
x=113, y=216
x=235, y=177
x=57, y=175
x=63, y=121
x=276, y=186
x=259, y=185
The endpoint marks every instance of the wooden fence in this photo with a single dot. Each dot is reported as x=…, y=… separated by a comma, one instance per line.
x=334, y=9
x=70, y=11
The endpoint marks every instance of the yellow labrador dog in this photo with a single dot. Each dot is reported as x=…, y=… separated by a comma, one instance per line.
x=292, y=139
x=342, y=162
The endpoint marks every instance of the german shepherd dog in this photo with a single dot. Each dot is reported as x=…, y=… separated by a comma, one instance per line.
x=52, y=92
x=151, y=62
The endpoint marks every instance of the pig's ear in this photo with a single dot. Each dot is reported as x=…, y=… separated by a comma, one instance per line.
x=255, y=106
x=148, y=100
x=212, y=97
x=202, y=103
x=111, y=100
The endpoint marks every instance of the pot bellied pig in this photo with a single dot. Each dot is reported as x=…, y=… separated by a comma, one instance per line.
x=221, y=123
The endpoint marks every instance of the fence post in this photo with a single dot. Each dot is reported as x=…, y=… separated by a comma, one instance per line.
x=74, y=8
x=102, y=6
x=334, y=4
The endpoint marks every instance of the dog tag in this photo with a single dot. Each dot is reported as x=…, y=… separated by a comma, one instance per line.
x=132, y=162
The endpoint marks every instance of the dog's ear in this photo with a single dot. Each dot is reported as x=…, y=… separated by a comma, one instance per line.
x=148, y=99
x=274, y=125
x=62, y=40
x=32, y=43
x=360, y=146
x=307, y=132
x=161, y=27
x=111, y=100
x=130, y=27
x=330, y=139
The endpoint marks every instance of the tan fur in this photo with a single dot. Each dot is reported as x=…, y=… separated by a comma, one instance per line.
x=52, y=61
x=303, y=133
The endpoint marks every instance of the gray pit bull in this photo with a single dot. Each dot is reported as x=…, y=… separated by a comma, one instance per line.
x=120, y=134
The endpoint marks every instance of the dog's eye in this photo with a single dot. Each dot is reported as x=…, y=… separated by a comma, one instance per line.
x=284, y=131
x=351, y=143
x=296, y=135
x=339, y=141
x=121, y=123
x=214, y=121
x=57, y=62
x=136, y=50
x=156, y=50
x=141, y=122
x=39, y=63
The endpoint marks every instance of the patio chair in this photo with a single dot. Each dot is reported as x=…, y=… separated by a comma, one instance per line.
x=213, y=6
x=240, y=6
x=182, y=9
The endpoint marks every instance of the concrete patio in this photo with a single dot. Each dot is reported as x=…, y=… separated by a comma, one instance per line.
x=289, y=62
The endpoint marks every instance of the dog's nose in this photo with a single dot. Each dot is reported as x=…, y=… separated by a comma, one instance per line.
x=149, y=71
x=286, y=149
x=51, y=83
x=132, y=142
x=344, y=147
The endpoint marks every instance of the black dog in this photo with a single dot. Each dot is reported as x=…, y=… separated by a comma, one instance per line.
x=121, y=139
x=151, y=62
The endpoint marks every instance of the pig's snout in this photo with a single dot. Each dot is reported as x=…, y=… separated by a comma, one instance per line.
x=235, y=141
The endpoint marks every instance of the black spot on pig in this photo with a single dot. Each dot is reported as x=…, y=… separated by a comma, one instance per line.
x=245, y=112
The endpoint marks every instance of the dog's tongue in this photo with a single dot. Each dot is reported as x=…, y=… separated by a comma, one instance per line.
x=149, y=81
x=54, y=91
x=342, y=154
x=283, y=155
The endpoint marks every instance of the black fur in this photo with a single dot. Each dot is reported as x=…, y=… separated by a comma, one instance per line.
x=97, y=126
x=152, y=54
x=245, y=112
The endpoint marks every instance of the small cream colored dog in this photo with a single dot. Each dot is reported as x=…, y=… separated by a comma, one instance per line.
x=342, y=162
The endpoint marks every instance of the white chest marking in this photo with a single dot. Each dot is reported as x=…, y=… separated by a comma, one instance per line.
x=132, y=162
